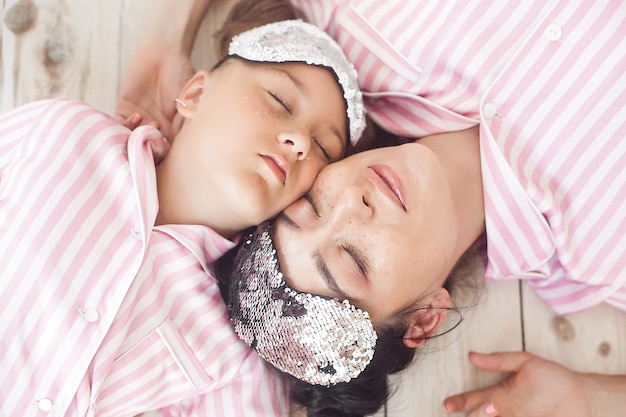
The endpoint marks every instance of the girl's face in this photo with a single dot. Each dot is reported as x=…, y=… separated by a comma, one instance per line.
x=256, y=137
x=377, y=228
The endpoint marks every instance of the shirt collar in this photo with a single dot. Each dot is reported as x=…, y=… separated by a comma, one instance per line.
x=203, y=242
x=143, y=172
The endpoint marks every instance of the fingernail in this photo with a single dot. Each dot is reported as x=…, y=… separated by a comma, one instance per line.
x=491, y=409
x=448, y=406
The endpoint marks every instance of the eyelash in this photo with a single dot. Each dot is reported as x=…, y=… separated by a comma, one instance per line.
x=287, y=107
x=312, y=203
x=281, y=101
x=357, y=259
x=323, y=149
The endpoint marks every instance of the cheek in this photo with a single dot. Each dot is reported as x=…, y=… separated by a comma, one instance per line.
x=293, y=263
x=330, y=178
x=393, y=257
x=303, y=180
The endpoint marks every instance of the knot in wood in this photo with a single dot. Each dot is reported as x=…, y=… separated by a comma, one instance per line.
x=57, y=50
x=21, y=16
x=563, y=328
x=604, y=349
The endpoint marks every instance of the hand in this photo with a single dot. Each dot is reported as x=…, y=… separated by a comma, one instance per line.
x=537, y=388
x=153, y=79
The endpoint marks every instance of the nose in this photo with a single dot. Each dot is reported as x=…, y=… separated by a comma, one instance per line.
x=298, y=143
x=352, y=205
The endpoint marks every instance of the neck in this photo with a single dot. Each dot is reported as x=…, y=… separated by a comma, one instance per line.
x=459, y=153
x=178, y=204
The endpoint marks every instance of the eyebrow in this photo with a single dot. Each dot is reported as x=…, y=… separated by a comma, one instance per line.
x=320, y=264
x=328, y=277
x=300, y=86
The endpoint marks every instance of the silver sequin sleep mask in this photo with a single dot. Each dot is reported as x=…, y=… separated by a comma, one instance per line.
x=298, y=41
x=316, y=339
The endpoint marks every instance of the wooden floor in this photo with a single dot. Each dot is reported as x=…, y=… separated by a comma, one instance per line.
x=79, y=48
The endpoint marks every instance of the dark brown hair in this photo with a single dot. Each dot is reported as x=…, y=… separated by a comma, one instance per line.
x=248, y=14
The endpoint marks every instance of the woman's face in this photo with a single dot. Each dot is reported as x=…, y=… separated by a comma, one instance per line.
x=259, y=134
x=377, y=228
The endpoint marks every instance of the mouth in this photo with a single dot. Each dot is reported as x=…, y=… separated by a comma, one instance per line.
x=387, y=182
x=278, y=167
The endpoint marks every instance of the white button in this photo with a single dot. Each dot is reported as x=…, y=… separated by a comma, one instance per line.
x=135, y=233
x=553, y=32
x=44, y=404
x=90, y=314
x=490, y=110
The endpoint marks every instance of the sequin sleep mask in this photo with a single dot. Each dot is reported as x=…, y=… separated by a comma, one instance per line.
x=316, y=339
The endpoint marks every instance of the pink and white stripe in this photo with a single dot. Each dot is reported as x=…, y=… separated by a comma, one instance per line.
x=100, y=313
x=547, y=82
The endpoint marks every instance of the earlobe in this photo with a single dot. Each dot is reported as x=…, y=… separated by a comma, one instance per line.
x=191, y=93
x=425, y=321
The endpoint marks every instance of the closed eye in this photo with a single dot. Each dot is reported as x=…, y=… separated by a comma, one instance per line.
x=281, y=101
x=322, y=268
x=311, y=201
x=358, y=258
x=323, y=149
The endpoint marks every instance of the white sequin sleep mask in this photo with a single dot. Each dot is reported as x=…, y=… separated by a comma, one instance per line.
x=298, y=41
x=316, y=339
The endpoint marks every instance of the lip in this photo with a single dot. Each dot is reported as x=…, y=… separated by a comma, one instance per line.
x=387, y=182
x=278, y=166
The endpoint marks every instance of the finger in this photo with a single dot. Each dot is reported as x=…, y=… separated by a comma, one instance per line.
x=485, y=410
x=131, y=121
x=500, y=361
x=467, y=401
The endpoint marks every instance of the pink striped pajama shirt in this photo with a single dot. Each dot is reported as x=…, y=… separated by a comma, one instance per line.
x=101, y=313
x=546, y=80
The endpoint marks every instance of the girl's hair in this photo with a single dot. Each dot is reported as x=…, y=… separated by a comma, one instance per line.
x=248, y=14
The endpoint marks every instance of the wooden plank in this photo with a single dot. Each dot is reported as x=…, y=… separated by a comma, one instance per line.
x=3, y=27
x=9, y=41
x=71, y=49
x=588, y=341
x=493, y=324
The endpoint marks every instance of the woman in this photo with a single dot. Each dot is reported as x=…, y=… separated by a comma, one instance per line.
x=552, y=196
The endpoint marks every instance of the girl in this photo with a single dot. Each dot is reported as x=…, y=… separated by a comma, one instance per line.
x=109, y=303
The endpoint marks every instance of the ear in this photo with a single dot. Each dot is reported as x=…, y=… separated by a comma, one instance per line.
x=192, y=93
x=425, y=321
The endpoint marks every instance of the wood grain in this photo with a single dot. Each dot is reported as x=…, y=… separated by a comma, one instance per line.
x=79, y=48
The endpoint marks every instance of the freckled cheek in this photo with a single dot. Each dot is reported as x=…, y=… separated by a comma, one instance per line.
x=257, y=107
x=328, y=181
x=377, y=247
x=395, y=255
